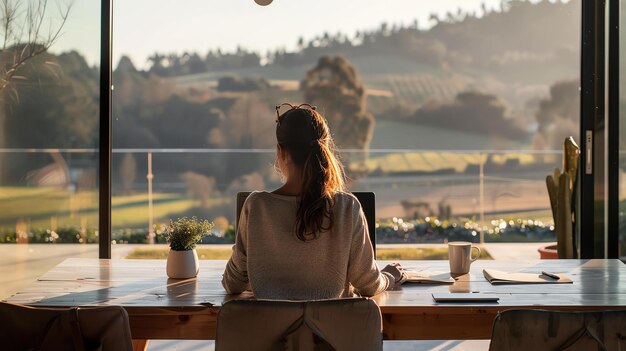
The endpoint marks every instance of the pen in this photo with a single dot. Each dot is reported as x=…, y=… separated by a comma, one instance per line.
x=551, y=275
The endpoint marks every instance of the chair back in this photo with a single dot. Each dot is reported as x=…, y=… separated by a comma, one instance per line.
x=91, y=328
x=339, y=324
x=366, y=198
x=521, y=330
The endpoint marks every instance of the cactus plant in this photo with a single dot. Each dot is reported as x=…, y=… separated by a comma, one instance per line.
x=563, y=196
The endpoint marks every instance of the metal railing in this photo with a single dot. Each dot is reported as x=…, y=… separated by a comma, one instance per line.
x=500, y=188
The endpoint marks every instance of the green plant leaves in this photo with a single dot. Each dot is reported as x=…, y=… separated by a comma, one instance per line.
x=183, y=233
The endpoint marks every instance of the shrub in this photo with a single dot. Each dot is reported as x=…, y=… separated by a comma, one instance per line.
x=184, y=233
x=432, y=230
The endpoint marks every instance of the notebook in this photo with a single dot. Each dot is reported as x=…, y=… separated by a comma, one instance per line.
x=499, y=277
x=426, y=277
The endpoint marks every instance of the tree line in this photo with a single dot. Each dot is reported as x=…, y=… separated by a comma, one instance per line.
x=459, y=38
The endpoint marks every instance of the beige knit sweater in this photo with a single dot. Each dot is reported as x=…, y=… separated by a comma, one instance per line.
x=270, y=260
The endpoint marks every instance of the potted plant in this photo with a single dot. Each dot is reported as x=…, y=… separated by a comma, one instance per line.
x=562, y=190
x=548, y=252
x=182, y=235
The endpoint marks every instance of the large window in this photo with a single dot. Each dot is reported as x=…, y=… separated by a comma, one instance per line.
x=452, y=113
x=49, y=113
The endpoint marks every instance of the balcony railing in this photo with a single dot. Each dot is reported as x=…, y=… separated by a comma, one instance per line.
x=482, y=190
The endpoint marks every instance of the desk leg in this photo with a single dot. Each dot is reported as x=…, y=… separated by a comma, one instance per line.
x=140, y=345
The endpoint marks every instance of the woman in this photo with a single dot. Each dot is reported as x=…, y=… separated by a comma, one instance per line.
x=307, y=239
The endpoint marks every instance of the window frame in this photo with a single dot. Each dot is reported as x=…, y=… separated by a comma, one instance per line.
x=105, y=150
x=599, y=115
x=598, y=210
x=614, y=131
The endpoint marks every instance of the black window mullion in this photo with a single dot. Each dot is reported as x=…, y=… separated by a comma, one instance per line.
x=613, y=132
x=591, y=209
x=104, y=217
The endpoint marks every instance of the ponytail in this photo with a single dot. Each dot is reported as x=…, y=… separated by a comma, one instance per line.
x=322, y=173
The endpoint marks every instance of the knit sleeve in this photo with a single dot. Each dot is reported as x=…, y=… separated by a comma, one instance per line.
x=363, y=273
x=235, y=279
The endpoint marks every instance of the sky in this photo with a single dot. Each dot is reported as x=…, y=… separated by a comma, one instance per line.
x=142, y=27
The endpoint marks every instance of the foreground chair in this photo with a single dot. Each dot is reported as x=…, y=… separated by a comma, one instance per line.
x=342, y=324
x=537, y=330
x=42, y=329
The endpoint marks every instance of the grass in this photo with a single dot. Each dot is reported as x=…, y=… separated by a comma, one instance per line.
x=161, y=254
x=49, y=207
x=539, y=215
x=435, y=253
x=381, y=254
x=436, y=160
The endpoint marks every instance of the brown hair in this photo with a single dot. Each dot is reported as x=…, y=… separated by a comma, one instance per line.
x=305, y=135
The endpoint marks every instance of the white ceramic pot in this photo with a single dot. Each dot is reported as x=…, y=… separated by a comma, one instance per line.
x=182, y=264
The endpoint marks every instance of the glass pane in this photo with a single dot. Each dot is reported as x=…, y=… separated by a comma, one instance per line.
x=453, y=113
x=49, y=108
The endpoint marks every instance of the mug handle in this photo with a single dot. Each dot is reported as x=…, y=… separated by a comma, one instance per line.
x=477, y=255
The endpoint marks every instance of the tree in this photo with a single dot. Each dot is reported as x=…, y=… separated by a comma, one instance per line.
x=384, y=29
x=60, y=110
x=195, y=64
x=474, y=112
x=334, y=86
x=235, y=83
x=55, y=105
x=434, y=18
x=558, y=114
x=24, y=34
x=126, y=65
x=24, y=37
x=300, y=43
x=156, y=63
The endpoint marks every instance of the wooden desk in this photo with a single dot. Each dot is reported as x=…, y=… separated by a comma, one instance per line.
x=186, y=309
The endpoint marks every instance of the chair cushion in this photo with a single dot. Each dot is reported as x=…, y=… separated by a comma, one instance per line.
x=340, y=324
x=555, y=330
x=98, y=328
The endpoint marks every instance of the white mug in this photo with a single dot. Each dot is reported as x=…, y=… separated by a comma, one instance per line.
x=460, y=253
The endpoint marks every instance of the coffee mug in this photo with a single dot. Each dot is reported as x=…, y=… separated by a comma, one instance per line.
x=460, y=253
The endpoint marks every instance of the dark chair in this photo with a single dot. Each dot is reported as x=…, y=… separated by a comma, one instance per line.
x=521, y=330
x=368, y=204
x=340, y=324
x=90, y=328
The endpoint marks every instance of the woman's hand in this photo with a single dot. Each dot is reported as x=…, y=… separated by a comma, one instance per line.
x=395, y=269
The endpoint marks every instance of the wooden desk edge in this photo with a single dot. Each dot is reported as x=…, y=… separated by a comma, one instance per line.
x=432, y=322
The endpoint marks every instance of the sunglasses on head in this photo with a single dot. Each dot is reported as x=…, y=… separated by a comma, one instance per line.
x=285, y=106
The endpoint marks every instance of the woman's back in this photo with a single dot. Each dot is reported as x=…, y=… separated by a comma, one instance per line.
x=281, y=266
x=311, y=241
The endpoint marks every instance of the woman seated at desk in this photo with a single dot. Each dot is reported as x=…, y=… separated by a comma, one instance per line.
x=307, y=239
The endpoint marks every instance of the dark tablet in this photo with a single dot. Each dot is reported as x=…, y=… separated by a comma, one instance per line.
x=464, y=297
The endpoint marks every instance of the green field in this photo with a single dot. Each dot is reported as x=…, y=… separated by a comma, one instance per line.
x=432, y=161
x=407, y=135
x=161, y=253
x=49, y=208
x=381, y=254
x=435, y=253
x=55, y=208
